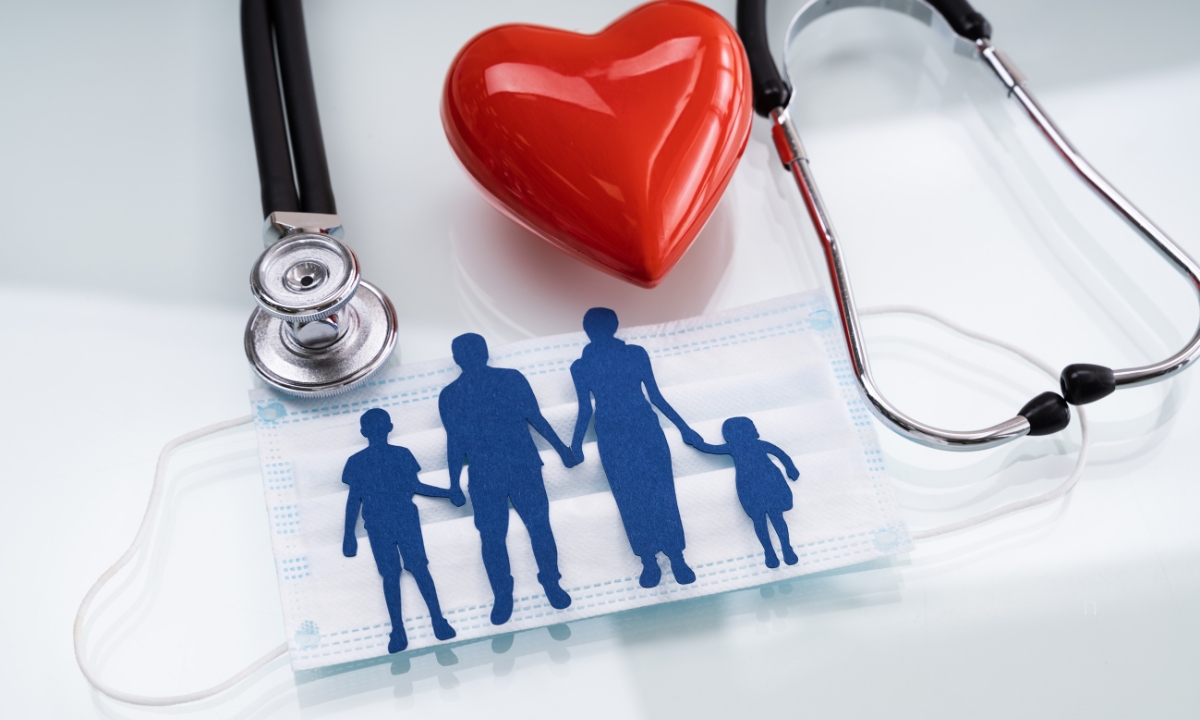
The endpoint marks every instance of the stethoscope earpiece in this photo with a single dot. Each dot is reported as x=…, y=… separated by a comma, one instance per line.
x=319, y=328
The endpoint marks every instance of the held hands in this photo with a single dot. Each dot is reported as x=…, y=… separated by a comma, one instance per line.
x=350, y=545
x=457, y=497
x=691, y=437
x=570, y=458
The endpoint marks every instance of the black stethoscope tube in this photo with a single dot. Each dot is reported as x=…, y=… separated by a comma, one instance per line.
x=772, y=91
x=273, y=28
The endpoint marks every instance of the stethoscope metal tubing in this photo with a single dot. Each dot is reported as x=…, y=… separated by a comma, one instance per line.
x=791, y=152
x=1015, y=82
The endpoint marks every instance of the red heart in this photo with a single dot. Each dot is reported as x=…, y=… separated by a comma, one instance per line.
x=614, y=147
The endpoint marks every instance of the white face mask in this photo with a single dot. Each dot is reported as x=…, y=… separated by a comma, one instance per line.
x=780, y=363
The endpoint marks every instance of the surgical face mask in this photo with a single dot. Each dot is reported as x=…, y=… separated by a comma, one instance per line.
x=781, y=363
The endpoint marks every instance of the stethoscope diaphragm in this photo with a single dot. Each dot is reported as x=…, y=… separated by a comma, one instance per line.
x=305, y=277
x=319, y=328
x=363, y=332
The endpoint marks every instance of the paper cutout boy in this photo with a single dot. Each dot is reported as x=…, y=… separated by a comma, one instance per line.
x=487, y=413
x=633, y=449
x=383, y=479
x=760, y=485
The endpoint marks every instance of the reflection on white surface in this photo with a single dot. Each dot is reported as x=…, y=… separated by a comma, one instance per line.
x=944, y=198
x=496, y=262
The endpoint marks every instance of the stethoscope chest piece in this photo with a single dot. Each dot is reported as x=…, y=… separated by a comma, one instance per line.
x=319, y=328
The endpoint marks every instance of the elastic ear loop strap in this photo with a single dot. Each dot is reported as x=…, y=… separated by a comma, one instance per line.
x=156, y=493
x=160, y=472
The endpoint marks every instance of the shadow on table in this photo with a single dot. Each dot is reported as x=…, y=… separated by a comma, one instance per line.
x=873, y=583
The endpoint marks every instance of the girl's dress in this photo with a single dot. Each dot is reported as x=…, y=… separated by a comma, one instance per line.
x=760, y=484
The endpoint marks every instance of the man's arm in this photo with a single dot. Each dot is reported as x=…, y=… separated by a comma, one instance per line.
x=533, y=415
x=353, y=504
x=583, y=396
x=784, y=458
x=454, y=450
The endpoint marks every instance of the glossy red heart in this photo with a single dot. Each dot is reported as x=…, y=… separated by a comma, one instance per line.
x=614, y=147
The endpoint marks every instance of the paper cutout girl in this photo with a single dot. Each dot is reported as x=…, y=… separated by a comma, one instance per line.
x=632, y=446
x=383, y=479
x=760, y=486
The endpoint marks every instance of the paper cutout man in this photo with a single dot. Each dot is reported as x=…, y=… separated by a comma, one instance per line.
x=632, y=446
x=383, y=479
x=760, y=485
x=487, y=413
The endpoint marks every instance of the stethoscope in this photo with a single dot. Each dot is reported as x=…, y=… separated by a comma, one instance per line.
x=319, y=328
x=1045, y=414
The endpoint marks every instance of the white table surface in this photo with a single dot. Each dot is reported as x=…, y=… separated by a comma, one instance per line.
x=129, y=200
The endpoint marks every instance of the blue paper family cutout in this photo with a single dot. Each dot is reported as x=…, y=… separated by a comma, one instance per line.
x=487, y=413
x=383, y=480
x=633, y=449
x=760, y=485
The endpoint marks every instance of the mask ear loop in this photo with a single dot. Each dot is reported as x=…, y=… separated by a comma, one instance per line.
x=1012, y=507
x=152, y=507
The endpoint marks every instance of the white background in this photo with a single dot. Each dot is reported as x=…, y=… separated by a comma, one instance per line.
x=129, y=200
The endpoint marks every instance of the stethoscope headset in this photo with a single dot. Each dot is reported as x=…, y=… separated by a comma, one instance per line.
x=320, y=329
x=1080, y=384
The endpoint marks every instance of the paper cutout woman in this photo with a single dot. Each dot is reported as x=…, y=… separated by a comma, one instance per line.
x=760, y=485
x=383, y=479
x=632, y=446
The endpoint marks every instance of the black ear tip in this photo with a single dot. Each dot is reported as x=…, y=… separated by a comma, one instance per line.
x=963, y=18
x=1082, y=383
x=770, y=95
x=1047, y=414
x=771, y=91
x=977, y=27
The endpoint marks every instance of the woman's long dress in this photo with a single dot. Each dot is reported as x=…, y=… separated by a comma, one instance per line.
x=633, y=449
